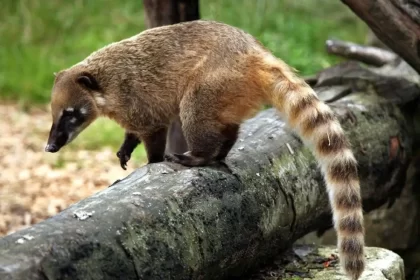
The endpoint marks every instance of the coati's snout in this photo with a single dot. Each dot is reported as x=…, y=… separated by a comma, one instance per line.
x=71, y=122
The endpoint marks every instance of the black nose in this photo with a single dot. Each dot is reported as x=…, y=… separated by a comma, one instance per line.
x=51, y=148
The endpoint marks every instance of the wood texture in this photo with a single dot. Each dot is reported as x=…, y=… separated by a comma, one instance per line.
x=366, y=54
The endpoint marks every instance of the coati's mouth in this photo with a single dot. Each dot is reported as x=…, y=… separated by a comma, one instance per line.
x=58, y=138
x=56, y=141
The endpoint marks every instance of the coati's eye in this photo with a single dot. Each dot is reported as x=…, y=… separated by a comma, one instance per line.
x=73, y=116
x=68, y=112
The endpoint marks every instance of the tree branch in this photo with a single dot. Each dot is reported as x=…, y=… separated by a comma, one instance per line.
x=395, y=22
x=369, y=55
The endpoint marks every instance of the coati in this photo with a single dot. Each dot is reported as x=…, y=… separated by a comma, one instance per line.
x=213, y=76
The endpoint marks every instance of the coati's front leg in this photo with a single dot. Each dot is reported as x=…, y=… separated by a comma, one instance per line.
x=131, y=141
x=155, y=143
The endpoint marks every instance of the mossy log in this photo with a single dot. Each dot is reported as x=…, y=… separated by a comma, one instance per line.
x=165, y=221
x=304, y=262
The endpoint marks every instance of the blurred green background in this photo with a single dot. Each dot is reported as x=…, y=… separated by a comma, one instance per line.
x=41, y=37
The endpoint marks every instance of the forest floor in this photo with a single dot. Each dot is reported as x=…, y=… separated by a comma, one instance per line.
x=35, y=185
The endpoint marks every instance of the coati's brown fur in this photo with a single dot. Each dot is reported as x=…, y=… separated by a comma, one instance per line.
x=214, y=76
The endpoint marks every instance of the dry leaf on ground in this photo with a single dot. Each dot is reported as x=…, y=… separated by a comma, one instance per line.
x=33, y=184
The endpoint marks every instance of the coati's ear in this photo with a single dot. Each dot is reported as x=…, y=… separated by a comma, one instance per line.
x=59, y=74
x=88, y=81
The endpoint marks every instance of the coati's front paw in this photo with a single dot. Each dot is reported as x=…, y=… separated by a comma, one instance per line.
x=124, y=158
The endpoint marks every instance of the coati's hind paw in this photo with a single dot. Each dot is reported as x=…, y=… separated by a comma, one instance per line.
x=124, y=158
x=173, y=157
x=186, y=159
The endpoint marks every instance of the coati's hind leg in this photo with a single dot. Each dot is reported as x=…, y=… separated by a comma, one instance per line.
x=230, y=134
x=209, y=140
x=155, y=144
x=124, y=153
x=206, y=143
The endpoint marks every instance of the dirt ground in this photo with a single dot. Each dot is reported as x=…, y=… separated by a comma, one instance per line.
x=35, y=185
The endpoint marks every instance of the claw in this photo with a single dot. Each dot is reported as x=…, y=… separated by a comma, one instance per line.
x=123, y=159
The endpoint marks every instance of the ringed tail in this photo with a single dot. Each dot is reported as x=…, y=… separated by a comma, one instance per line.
x=318, y=127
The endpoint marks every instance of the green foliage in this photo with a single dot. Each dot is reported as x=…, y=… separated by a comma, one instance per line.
x=295, y=30
x=41, y=37
x=104, y=132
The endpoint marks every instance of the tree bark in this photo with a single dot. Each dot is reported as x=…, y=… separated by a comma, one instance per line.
x=370, y=55
x=165, y=12
x=395, y=22
x=165, y=221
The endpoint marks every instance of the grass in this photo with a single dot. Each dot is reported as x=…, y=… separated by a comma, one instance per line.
x=41, y=37
x=104, y=132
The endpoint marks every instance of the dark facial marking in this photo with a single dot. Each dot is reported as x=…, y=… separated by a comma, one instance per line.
x=56, y=139
x=73, y=117
x=69, y=121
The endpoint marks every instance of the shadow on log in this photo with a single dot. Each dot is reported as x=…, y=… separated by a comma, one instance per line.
x=165, y=221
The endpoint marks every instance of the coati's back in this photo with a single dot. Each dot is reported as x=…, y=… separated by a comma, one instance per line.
x=167, y=52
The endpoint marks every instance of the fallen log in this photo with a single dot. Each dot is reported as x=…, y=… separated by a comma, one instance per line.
x=165, y=221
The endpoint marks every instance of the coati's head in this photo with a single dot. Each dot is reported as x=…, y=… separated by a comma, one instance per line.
x=73, y=106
